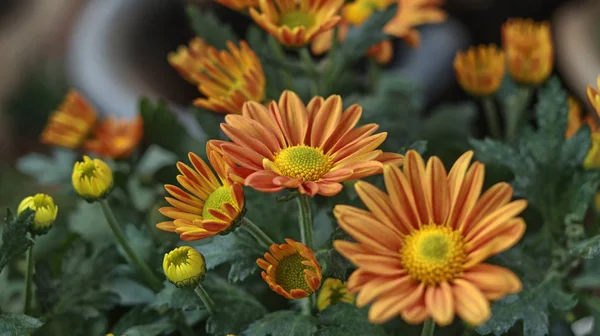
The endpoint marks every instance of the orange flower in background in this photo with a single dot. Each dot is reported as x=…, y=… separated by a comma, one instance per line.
x=291, y=270
x=480, y=70
x=209, y=206
x=413, y=13
x=421, y=254
x=296, y=22
x=189, y=60
x=357, y=12
x=529, y=50
x=71, y=123
x=310, y=148
x=594, y=96
x=230, y=79
x=238, y=5
x=115, y=138
x=576, y=119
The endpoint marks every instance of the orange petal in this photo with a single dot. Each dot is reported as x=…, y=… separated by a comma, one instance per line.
x=387, y=307
x=470, y=303
x=414, y=170
x=379, y=203
x=440, y=193
x=440, y=303
x=493, y=278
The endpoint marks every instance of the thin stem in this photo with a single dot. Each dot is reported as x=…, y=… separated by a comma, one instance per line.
x=280, y=56
x=331, y=59
x=305, y=221
x=312, y=70
x=468, y=330
x=263, y=239
x=373, y=72
x=428, y=328
x=150, y=277
x=305, y=306
x=28, y=281
x=515, y=111
x=491, y=116
x=208, y=302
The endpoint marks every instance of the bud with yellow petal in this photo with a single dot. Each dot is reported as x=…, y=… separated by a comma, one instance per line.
x=479, y=70
x=529, y=50
x=92, y=179
x=45, y=212
x=184, y=267
x=594, y=96
x=333, y=291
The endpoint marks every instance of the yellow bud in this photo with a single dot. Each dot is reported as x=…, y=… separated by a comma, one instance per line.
x=333, y=291
x=45, y=212
x=184, y=267
x=92, y=179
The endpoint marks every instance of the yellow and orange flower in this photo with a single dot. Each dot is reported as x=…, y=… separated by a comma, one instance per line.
x=333, y=291
x=310, y=148
x=480, y=70
x=291, y=270
x=358, y=11
x=594, y=96
x=189, y=60
x=413, y=13
x=529, y=50
x=238, y=5
x=296, y=22
x=115, y=138
x=421, y=254
x=71, y=123
x=209, y=207
x=229, y=79
x=576, y=119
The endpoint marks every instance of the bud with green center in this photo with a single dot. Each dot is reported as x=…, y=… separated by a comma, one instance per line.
x=45, y=212
x=184, y=267
x=92, y=179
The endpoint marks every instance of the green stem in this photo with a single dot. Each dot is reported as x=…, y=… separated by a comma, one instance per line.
x=258, y=234
x=312, y=71
x=280, y=56
x=468, y=331
x=428, y=328
x=305, y=221
x=329, y=80
x=208, y=302
x=151, y=278
x=373, y=72
x=514, y=114
x=305, y=306
x=491, y=116
x=28, y=280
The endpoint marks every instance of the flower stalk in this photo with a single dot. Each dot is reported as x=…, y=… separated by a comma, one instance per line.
x=305, y=221
x=152, y=280
x=313, y=73
x=263, y=239
x=491, y=117
x=206, y=299
x=515, y=111
x=28, y=280
x=428, y=328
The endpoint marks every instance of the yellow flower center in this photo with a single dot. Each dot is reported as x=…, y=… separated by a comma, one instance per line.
x=303, y=161
x=178, y=257
x=41, y=201
x=88, y=169
x=296, y=19
x=214, y=201
x=290, y=273
x=433, y=254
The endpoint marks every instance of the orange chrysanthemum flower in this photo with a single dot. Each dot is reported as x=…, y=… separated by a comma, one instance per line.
x=189, y=60
x=312, y=148
x=413, y=13
x=297, y=22
x=421, y=254
x=209, y=207
x=291, y=270
x=238, y=5
x=116, y=139
x=529, y=51
x=71, y=123
x=480, y=70
x=594, y=96
x=229, y=79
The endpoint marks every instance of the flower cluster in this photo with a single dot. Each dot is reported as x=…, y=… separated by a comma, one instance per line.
x=73, y=125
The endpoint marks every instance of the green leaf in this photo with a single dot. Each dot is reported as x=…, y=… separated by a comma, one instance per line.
x=531, y=306
x=283, y=323
x=587, y=248
x=236, y=308
x=420, y=146
x=18, y=324
x=135, y=317
x=15, y=237
x=210, y=28
x=48, y=170
x=89, y=222
x=163, y=128
x=593, y=304
x=345, y=319
x=130, y=292
x=159, y=327
x=334, y=265
x=238, y=249
x=177, y=298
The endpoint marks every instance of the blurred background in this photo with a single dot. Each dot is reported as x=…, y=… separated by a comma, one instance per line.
x=115, y=51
